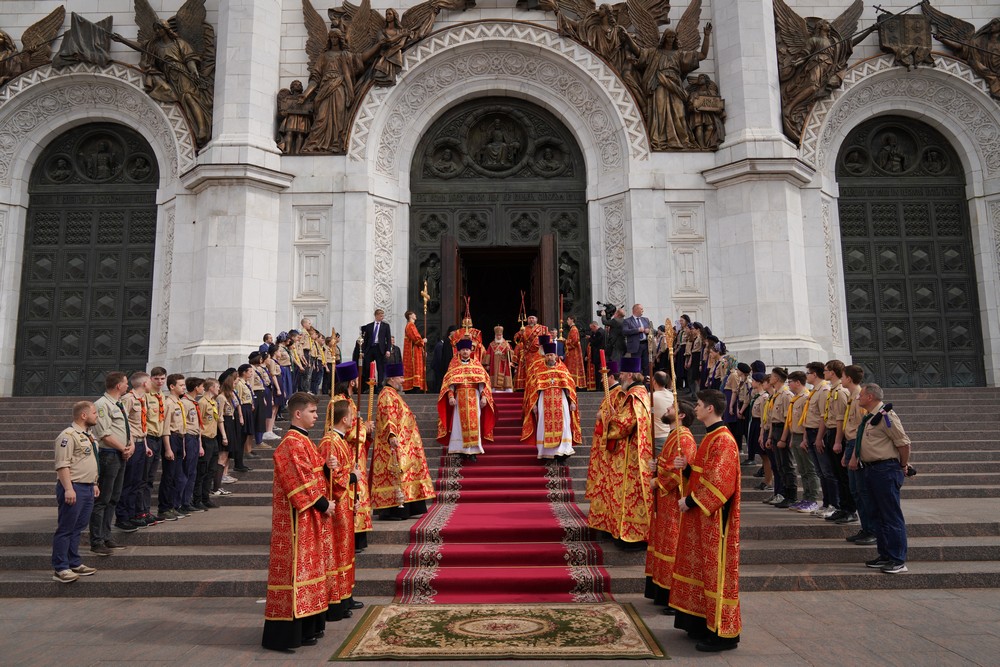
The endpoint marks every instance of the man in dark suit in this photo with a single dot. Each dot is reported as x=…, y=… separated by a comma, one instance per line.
x=596, y=341
x=636, y=330
x=376, y=346
x=395, y=354
x=616, y=338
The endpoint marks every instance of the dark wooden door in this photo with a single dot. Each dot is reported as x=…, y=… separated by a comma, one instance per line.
x=548, y=256
x=909, y=269
x=87, y=279
x=451, y=281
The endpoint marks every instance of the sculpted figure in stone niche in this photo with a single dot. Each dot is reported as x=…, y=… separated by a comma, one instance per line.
x=498, y=152
x=812, y=58
x=37, y=41
x=663, y=68
x=707, y=115
x=890, y=158
x=177, y=59
x=446, y=163
x=979, y=49
x=549, y=162
x=855, y=161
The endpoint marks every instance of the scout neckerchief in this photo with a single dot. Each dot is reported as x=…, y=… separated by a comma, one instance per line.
x=142, y=413
x=805, y=410
x=128, y=429
x=159, y=401
x=829, y=400
x=93, y=450
x=847, y=412
x=263, y=379
x=791, y=404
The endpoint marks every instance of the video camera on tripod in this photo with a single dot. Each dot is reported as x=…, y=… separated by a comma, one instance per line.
x=608, y=309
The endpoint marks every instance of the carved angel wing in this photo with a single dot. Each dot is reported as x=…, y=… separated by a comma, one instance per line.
x=37, y=39
x=578, y=7
x=847, y=23
x=688, y=37
x=364, y=28
x=644, y=24
x=420, y=18
x=145, y=18
x=189, y=24
x=316, y=34
x=792, y=30
x=948, y=26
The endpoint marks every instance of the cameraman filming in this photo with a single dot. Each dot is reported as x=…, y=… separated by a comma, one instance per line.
x=596, y=342
x=613, y=320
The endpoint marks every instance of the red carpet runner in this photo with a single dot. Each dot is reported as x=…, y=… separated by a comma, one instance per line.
x=504, y=529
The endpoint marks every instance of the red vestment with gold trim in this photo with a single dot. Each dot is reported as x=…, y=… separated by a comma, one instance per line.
x=574, y=357
x=599, y=456
x=414, y=375
x=552, y=383
x=403, y=473
x=498, y=364
x=663, y=528
x=340, y=490
x=466, y=377
x=359, y=440
x=630, y=500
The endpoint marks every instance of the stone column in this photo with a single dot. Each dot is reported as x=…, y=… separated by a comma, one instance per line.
x=227, y=243
x=760, y=301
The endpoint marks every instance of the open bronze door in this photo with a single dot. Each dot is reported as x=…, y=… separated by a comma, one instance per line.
x=548, y=254
x=451, y=283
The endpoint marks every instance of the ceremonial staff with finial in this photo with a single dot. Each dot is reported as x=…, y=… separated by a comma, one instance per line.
x=678, y=424
x=426, y=296
x=561, y=318
x=372, y=381
x=522, y=315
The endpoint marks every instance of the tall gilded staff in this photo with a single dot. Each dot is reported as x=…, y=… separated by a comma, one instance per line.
x=426, y=296
x=678, y=425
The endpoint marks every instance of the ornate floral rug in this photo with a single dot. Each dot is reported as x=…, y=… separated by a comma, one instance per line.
x=604, y=630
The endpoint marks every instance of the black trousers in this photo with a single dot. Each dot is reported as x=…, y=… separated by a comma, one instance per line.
x=843, y=482
x=206, y=469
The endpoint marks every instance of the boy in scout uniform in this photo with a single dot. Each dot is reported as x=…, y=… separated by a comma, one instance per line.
x=155, y=439
x=191, y=416
x=208, y=463
x=172, y=481
x=115, y=446
x=833, y=417
x=76, y=468
x=781, y=460
x=815, y=403
x=882, y=451
x=129, y=510
x=795, y=434
x=853, y=376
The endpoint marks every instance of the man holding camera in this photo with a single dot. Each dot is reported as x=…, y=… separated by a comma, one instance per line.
x=882, y=451
x=614, y=320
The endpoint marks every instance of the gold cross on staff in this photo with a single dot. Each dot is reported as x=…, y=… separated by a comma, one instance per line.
x=425, y=295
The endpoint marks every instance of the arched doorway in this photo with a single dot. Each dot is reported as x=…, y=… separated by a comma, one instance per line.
x=87, y=279
x=909, y=267
x=498, y=207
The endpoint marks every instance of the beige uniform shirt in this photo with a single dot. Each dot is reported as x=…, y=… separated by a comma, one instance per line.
x=779, y=410
x=110, y=421
x=134, y=406
x=257, y=374
x=817, y=400
x=154, y=403
x=209, y=416
x=757, y=409
x=880, y=441
x=798, y=407
x=192, y=421
x=243, y=392
x=853, y=416
x=76, y=450
x=836, y=404
x=174, y=415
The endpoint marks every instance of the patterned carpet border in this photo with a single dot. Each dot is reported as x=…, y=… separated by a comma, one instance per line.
x=602, y=631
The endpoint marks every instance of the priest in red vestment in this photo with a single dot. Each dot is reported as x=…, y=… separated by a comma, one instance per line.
x=706, y=586
x=518, y=358
x=360, y=439
x=574, y=354
x=298, y=591
x=499, y=358
x=343, y=475
x=468, y=332
x=414, y=346
x=667, y=486
x=551, y=420
x=630, y=499
x=465, y=405
x=531, y=341
x=599, y=517
x=401, y=481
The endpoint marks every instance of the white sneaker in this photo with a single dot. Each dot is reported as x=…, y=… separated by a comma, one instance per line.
x=228, y=479
x=775, y=499
x=223, y=492
x=820, y=511
x=271, y=435
x=276, y=430
x=828, y=512
x=217, y=492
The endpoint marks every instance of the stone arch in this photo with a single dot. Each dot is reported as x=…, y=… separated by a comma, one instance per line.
x=39, y=105
x=466, y=61
x=955, y=101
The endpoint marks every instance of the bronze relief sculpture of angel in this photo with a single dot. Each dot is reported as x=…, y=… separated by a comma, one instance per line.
x=177, y=59
x=812, y=59
x=979, y=49
x=36, y=48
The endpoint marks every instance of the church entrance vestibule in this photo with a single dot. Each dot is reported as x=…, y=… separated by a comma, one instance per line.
x=498, y=206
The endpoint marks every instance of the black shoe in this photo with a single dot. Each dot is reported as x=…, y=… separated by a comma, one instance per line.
x=867, y=540
x=786, y=503
x=856, y=536
x=716, y=644
x=200, y=506
x=312, y=641
x=111, y=544
x=126, y=526
x=878, y=563
x=669, y=611
x=251, y=455
x=839, y=514
x=759, y=473
x=473, y=458
x=100, y=550
x=243, y=469
x=189, y=509
x=356, y=604
x=210, y=505
x=849, y=517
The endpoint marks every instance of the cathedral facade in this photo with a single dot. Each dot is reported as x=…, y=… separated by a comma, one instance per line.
x=181, y=177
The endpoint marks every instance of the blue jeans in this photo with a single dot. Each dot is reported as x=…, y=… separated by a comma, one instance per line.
x=859, y=491
x=151, y=467
x=173, y=479
x=110, y=484
x=884, y=481
x=72, y=520
x=130, y=504
x=192, y=445
x=827, y=478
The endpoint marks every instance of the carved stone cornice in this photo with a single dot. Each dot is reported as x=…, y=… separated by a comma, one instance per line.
x=209, y=175
x=792, y=170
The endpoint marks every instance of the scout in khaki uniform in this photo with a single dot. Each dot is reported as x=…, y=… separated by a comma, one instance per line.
x=833, y=417
x=115, y=447
x=882, y=451
x=192, y=441
x=781, y=459
x=815, y=404
x=76, y=468
x=795, y=435
x=246, y=419
x=129, y=511
x=172, y=482
x=208, y=462
x=156, y=416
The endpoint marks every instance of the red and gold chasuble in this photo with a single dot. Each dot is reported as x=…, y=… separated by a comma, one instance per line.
x=341, y=556
x=628, y=471
x=478, y=351
x=465, y=377
x=498, y=362
x=663, y=529
x=519, y=374
x=707, y=572
x=552, y=384
x=405, y=473
x=300, y=535
x=574, y=357
x=600, y=450
x=359, y=443
x=414, y=376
